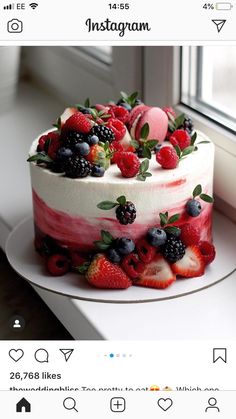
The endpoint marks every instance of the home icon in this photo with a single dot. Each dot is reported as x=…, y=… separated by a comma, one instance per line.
x=23, y=406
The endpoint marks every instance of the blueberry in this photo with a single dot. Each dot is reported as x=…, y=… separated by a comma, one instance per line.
x=98, y=171
x=113, y=255
x=193, y=208
x=157, y=148
x=64, y=153
x=82, y=148
x=125, y=246
x=92, y=139
x=156, y=236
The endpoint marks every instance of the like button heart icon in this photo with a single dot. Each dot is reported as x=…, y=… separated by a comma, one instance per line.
x=165, y=404
x=16, y=354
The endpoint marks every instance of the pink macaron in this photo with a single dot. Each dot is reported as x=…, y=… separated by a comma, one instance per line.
x=157, y=121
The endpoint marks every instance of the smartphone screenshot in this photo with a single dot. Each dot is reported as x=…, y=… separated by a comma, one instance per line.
x=117, y=209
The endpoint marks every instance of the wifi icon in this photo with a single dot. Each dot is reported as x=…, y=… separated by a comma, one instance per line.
x=33, y=5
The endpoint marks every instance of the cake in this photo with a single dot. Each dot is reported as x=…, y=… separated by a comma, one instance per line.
x=122, y=194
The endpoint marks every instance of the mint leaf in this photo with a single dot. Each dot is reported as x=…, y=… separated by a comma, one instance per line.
x=106, y=205
x=100, y=245
x=141, y=177
x=40, y=158
x=151, y=143
x=135, y=144
x=173, y=230
x=124, y=95
x=193, y=138
x=178, y=151
x=206, y=198
x=187, y=150
x=147, y=152
x=87, y=103
x=204, y=142
x=179, y=120
x=107, y=238
x=145, y=131
x=82, y=269
x=163, y=219
x=174, y=218
x=121, y=200
x=197, y=191
x=133, y=96
x=144, y=166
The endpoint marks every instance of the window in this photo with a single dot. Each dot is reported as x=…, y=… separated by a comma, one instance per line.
x=209, y=83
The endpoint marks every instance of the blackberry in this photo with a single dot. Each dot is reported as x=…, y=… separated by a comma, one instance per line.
x=72, y=138
x=103, y=133
x=188, y=125
x=56, y=166
x=126, y=213
x=173, y=249
x=77, y=167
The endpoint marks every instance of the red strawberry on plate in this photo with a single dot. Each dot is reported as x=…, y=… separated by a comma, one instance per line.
x=157, y=274
x=208, y=251
x=191, y=265
x=77, y=122
x=104, y=274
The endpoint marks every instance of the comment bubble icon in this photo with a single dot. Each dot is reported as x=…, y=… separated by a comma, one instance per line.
x=41, y=355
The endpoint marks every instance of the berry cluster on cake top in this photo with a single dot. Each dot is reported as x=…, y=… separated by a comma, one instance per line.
x=88, y=138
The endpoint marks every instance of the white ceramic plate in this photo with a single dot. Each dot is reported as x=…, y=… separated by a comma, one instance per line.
x=28, y=264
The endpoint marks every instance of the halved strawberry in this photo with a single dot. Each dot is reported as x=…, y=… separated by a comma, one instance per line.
x=157, y=274
x=191, y=265
x=68, y=112
x=208, y=251
x=104, y=274
x=145, y=251
x=77, y=122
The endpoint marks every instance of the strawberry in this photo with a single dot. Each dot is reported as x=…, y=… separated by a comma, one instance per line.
x=190, y=234
x=66, y=114
x=120, y=113
x=181, y=138
x=145, y=251
x=117, y=127
x=157, y=274
x=104, y=274
x=132, y=265
x=208, y=251
x=191, y=265
x=97, y=155
x=77, y=122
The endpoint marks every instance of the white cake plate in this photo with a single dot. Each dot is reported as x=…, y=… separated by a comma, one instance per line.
x=23, y=258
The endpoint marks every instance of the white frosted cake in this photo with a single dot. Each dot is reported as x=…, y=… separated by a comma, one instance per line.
x=120, y=194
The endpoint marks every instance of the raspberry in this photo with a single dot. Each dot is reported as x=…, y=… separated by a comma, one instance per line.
x=54, y=144
x=41, y=143
x=103, y=132
x=57, y=265
x=190, y=235
x=167, y=157
x=77, y=122
x=145, y=251
x=117, y=127
x=128, y=164
x=126, y=213
x=208, y=252
x=119, y=112
x=77, y=167
x=117, y=148
x=169, y=111
x=181, y=138
x=132, y=266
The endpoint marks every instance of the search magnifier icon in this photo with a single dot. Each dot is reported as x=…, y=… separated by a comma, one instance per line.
x=70, y=404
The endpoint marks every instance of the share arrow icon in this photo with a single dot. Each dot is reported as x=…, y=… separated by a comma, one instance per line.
x=219, y=24
x=67, y=353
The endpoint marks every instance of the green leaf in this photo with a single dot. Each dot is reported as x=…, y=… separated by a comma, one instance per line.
x=124, y=95
x=106, y=205
x=144, y=166
x=178, y=151
x=121, y=200
x=40, y=157
x=133, y=96
x=173, y=230
x=197, y=191
x=193, y=138
x=171, y=126
x=204, y=142
x=174, y=218
x=141, y=177
x=180, y=120
x=164, y=219
x=206, y=198
x=187, y=150
x=107, y=238
x=135, y=144
x=147, y=174
x=82, y=269
x=151, y=144
x=171, y=117
x=147, y=152
x=100, y=245
x=87, y=103
x=145, y=131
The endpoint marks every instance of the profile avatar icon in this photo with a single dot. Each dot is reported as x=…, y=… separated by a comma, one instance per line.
x=16, y=324
x=212, y=405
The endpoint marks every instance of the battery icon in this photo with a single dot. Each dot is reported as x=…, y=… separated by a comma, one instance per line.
x=224, y=6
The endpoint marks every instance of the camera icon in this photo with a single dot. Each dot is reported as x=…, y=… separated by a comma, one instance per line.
x=15, y=26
